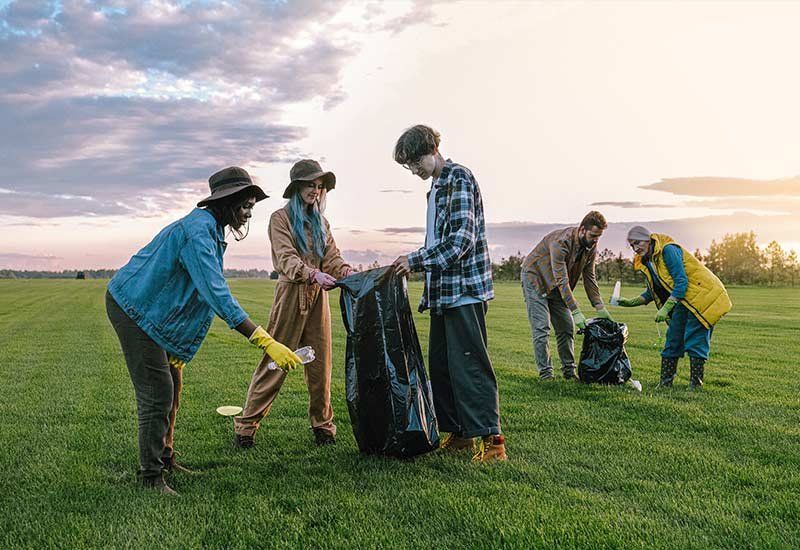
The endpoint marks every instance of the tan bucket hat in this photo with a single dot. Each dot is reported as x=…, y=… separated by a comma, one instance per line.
x=308, y=170
x=228, y=181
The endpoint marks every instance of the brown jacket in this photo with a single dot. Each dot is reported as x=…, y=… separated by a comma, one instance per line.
x=557, y=262
x=294, y=268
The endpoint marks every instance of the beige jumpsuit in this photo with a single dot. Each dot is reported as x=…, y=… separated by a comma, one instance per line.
x=300, y=316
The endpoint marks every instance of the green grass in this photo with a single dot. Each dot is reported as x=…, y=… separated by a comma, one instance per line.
x=589, y=466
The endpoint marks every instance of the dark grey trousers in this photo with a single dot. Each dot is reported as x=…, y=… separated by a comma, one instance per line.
x=157, y=387
x=462, y=378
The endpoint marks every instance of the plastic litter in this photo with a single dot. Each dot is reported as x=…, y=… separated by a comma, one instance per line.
x=306, y=355
x=229, y=410
x=603, y=356
x=388, y=394
x=615, y=294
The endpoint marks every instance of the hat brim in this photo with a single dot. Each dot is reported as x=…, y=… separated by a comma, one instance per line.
x=260, y=195
x=328, y=178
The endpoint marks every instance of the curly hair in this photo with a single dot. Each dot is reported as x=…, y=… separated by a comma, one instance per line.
x=415, y=143
x=224, y=211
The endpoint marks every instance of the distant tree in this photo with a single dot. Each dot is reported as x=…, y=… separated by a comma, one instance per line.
x=604, y=264
x=792, y=267
x=699, y=255
x=508, y=269
x=775, y=264
x=737, y=259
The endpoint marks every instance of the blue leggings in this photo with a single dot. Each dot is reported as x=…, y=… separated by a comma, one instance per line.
x=686, y=335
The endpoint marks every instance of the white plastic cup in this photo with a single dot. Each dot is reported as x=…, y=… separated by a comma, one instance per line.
x=306, y=355
x=615, y=294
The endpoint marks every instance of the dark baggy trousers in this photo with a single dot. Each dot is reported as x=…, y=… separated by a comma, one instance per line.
x=462, y=378
x=157, y=387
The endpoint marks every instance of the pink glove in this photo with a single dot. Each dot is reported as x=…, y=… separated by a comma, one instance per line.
x=324, y=280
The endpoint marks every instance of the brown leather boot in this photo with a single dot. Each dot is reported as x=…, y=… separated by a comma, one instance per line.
x=244, y=441
x=157, y=483
x=171, y=466
x=455, y=443
x=323, y=437
x=493, y=448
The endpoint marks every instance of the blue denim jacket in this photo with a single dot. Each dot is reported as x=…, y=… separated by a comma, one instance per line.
x=173, y=286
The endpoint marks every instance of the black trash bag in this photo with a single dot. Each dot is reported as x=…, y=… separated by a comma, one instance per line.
x=603, y=356
x=388, y=393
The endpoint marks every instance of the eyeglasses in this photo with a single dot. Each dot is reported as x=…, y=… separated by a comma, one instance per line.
x=413, y=165
x=312, y=185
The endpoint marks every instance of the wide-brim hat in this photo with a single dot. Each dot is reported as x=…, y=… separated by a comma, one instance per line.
x=229, y=181
x=307, y=170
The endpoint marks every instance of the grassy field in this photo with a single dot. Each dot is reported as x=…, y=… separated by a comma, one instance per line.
x=589, y=466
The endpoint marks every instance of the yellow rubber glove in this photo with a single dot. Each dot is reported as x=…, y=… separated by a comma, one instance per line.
x=283, y=356
x=174, y=362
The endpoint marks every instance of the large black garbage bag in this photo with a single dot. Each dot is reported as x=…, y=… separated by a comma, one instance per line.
x=603, y=356
x=388, y=394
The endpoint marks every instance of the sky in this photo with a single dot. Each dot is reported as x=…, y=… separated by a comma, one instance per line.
x=681, y=116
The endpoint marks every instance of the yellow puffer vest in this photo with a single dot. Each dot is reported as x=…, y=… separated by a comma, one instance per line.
x=706, y=296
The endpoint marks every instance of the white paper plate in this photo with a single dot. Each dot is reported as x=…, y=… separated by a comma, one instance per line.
x=229, y=410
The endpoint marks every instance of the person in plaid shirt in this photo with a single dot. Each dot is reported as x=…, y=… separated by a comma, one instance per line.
x=458, y=284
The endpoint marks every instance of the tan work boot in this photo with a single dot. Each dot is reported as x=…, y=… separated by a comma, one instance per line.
x=158, y=484
x=493, y=448
x=455, y=443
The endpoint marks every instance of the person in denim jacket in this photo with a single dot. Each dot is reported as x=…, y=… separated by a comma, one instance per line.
x=162, y=302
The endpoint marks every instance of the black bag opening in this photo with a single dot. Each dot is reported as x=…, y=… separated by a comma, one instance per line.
x=603, y=356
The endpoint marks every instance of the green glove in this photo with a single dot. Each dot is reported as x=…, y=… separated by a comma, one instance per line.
x=633, y=302
x=603, y=313
x=663, y=313
x=580, y=320
x=283, y=356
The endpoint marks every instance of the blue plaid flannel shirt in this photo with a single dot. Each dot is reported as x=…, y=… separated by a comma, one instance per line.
x=458, y=260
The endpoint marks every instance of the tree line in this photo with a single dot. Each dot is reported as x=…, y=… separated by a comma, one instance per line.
x=735, y=259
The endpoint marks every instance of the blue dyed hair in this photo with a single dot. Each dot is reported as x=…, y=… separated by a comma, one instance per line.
x=300, y=215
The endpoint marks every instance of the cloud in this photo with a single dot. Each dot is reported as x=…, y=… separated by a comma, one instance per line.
x=520, y=237
x=726, y=187
x=776, y=204
x=401, y=230
x=9, y=260
x=403, y=191
x=631, y=204
x=132, y=103
x=44, y=205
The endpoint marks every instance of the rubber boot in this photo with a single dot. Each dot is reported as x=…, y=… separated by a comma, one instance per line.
x=669, y=368
x=697, y=367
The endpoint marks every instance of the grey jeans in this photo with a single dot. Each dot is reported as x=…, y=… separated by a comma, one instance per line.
x=157, y=387
x=541, y=311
